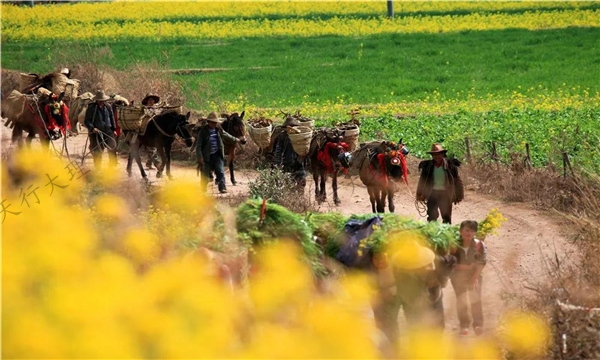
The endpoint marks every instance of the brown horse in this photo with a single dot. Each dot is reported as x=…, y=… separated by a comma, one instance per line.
x=381, y=166
x=234, y=125
x=324, y=153
x=45, y=117
x=160, y=133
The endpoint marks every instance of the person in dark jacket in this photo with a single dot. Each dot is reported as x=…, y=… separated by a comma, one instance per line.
x=210, y=150
x=100, y=122
x=286, y=159
x=439, y=184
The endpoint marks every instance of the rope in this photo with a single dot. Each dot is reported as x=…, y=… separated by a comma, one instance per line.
x=421, y=207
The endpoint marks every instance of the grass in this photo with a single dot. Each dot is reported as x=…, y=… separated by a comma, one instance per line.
x=269, y=72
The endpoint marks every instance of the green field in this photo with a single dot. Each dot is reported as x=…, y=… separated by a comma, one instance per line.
x=510, y=85
x=271, y=72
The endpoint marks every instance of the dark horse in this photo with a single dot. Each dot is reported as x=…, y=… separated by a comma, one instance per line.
x=381, y=166
x=324, y=153
x=234, y=125
x=160, y=133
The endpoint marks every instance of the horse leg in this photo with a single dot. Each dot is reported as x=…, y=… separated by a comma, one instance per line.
x=30, y=138
x=316, y=179
x=230, y=164
x=336, y=199
x=17, y=135
x=371, y=192
x=390, y=193
x=323, y=190
x=134, y=152
x=381, y=200
x=163, y=160
x=129, y=163
x=168, y=156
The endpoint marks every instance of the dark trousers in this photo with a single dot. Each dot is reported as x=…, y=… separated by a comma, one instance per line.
x=216, y=163
x=466, y=297
x=439, y=202
x=99, y=142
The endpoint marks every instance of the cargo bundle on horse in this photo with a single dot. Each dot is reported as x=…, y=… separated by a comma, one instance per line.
x=43, y=114
x=160, y=133
x=327, y=156
x=381, y=166
x=260, y=130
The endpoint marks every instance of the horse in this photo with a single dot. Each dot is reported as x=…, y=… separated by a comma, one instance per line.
x=160, y=133
x=234, y=125
x=381, y=166
x=324, y=153
x=46, y=117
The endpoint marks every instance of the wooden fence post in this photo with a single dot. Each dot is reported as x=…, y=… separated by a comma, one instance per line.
x=468, y=146
x=528, y=163
x=567, y=164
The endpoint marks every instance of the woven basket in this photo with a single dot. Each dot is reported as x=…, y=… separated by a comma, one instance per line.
x=300, y=137
x=351, y=136
x=261, y=136
x=307, y=122
x=130, y=118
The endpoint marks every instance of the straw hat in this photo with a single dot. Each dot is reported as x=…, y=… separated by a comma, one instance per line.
x=437, y=148
x=150, y=96
x=410, y=255
x=214, y=117
x=101, y=96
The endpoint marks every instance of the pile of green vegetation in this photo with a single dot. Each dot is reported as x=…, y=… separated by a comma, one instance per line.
x=322, y=234
x=278, y=223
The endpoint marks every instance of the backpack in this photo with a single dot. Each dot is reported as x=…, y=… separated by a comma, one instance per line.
x=354, y=232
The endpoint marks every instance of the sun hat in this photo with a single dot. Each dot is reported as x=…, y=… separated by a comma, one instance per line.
x=101, y=96
x=214, y=117
x=150, y=96
x=437, y=148
x=410, y=255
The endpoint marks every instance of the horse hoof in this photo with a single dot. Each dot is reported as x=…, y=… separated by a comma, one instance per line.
x=158, y=174
x=337, y=202
x=170, y=177
x=233, y=182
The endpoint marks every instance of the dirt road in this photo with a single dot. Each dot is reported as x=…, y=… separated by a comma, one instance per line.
x=518, y=254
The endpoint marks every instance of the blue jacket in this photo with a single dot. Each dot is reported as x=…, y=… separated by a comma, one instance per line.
x=101, y=118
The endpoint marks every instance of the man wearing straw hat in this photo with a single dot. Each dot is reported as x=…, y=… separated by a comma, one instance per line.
x=210, y=150
x=284, y=156
x=439, y=184
x=100, y=122
x=404, y=277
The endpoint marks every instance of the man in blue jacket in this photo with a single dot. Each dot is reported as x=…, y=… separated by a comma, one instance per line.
x=100, y=122
x=210, y=150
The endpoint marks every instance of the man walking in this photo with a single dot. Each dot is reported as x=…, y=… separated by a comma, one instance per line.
x=439, y=184
x=100, y=121
x=210, y=150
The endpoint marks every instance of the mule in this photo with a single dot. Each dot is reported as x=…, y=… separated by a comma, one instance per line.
x=381, y=167
x=160, y=133
x=234, y=125
x=324, y=153
x=48, y=118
